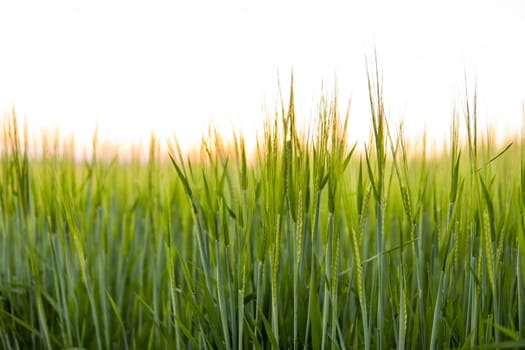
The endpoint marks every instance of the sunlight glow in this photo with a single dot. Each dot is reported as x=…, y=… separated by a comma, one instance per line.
x=172, y=68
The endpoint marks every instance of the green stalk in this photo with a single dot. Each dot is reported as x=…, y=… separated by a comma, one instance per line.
x=221, y=298
x=380, y=278
x=437, y=314
x=521, y=295
x=311, y=316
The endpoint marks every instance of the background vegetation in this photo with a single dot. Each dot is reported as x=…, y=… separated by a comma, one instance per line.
x=311, y=245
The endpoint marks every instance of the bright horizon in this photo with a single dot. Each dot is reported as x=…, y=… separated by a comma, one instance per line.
x=131, y=69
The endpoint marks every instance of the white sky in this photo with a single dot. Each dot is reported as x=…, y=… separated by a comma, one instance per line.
x=171, y=67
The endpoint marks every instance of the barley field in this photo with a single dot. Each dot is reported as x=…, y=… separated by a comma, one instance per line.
x=312, y=243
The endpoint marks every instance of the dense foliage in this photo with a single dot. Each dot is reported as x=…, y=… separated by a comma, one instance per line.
x=312, y=244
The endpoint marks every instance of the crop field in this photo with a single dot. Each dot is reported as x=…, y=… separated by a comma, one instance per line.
x=312, y=244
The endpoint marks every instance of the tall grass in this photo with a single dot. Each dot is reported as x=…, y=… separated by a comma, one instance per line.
x=313, y=244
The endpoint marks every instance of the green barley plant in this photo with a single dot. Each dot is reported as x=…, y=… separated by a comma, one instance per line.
x=306, y=242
